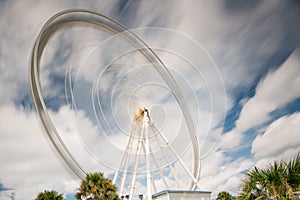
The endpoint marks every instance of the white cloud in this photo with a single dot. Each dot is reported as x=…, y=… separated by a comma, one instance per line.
x=271, y=94
x=276, y=90
x=220, y=172
x=18, y=28
x=19, y=25
x=239, y=42
x=278, y=141
x=280, y=137
x=26, y=155
x=230, y=140
x=6, y=195
x=285, y=156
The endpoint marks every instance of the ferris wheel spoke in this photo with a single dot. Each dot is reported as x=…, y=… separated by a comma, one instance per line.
x=195, y=181
x=155, y=130
x=153, y=183
x=159, y=170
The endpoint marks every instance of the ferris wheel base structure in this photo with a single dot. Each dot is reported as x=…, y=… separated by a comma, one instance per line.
x=182, y=194
x=145, y=131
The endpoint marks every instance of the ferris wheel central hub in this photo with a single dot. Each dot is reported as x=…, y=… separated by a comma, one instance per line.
x=142, y=118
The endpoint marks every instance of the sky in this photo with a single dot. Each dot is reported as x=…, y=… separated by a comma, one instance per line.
x=236, y=64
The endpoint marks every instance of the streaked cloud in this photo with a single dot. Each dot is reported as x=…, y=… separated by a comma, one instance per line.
x=280, y=137
x=26, y=155
x=278, y=88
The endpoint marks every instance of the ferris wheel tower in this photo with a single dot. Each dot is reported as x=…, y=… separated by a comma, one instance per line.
x=139, y=151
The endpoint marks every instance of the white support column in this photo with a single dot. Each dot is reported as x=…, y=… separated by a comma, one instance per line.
x=136, y=162
x=146, y=121
x=124, y=159
x=124, y=163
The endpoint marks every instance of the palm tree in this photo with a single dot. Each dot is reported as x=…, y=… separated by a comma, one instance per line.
x=277, y=181
x=251, y=188
x=224, y=196
x=293, y=173
x=97, y=187
x=49, y=195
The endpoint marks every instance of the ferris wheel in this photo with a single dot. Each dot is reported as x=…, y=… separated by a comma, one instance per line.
x=130, y=112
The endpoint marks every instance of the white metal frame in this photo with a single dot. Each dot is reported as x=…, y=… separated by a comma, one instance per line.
x=141, y=128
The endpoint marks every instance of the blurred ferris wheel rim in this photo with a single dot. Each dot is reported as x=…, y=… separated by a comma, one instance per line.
x=143, y=122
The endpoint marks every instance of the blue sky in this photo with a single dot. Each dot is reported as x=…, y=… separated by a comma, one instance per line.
x=237, y=64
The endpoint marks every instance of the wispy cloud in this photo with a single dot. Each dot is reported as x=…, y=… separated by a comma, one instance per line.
x=26, y=155
x=271, y=94
x=280, y=138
